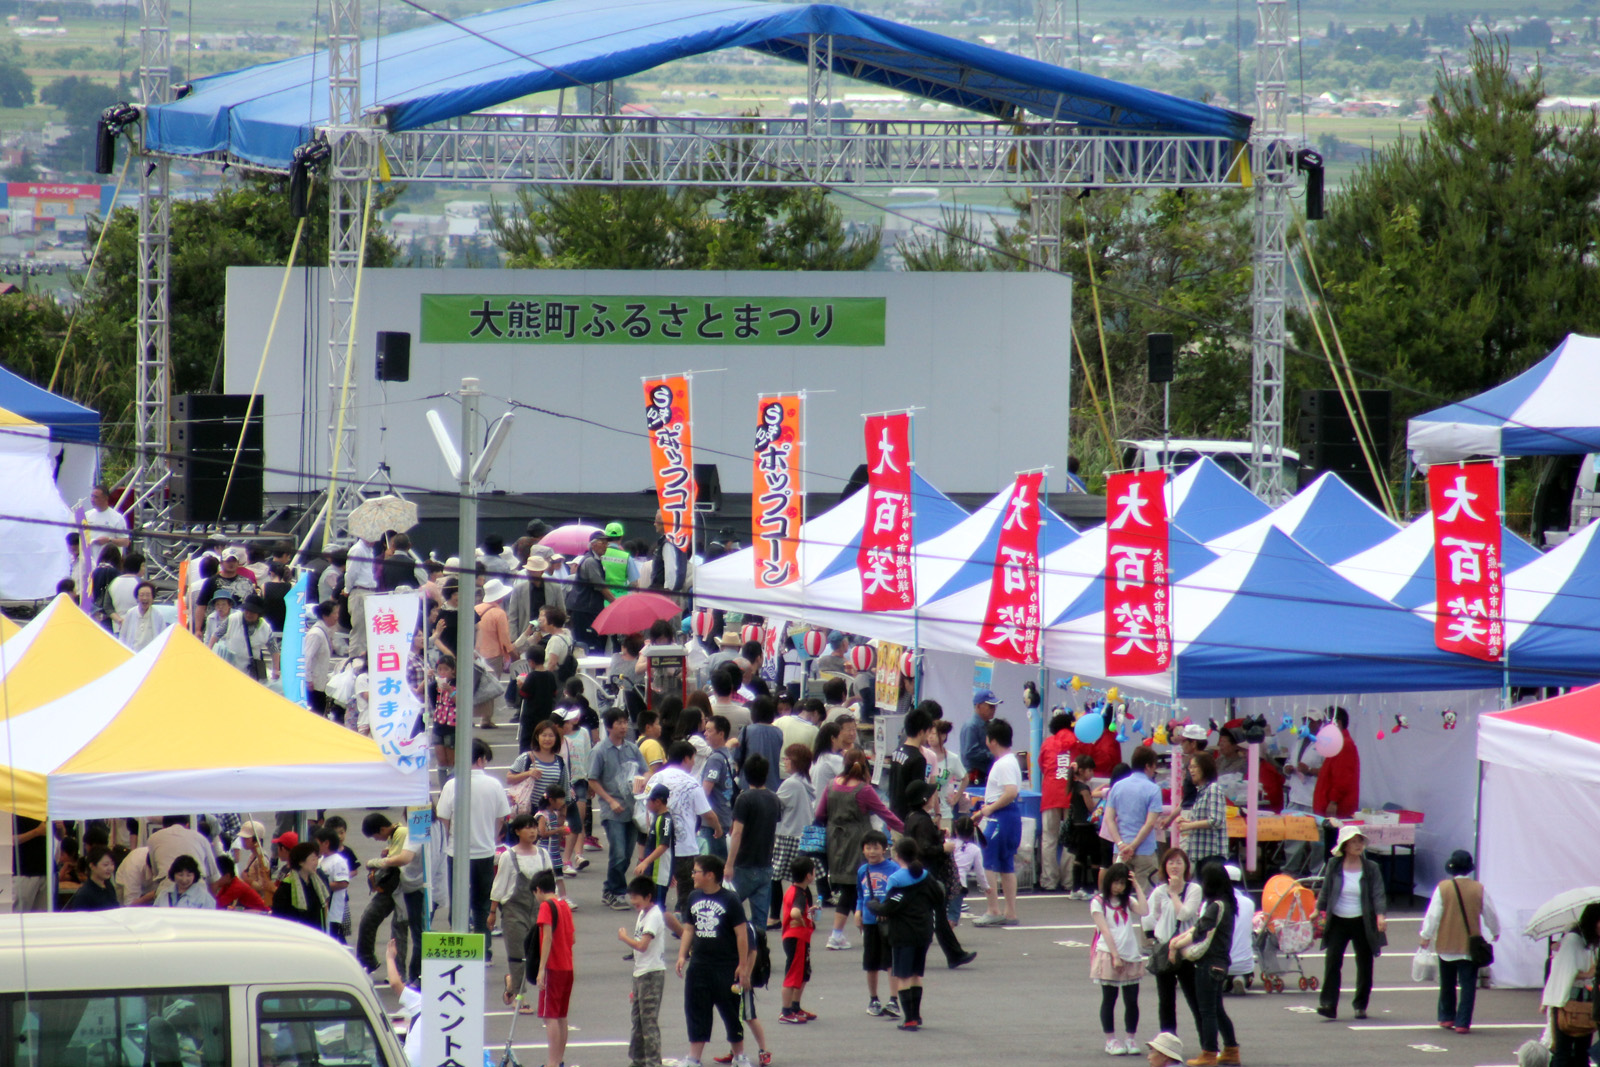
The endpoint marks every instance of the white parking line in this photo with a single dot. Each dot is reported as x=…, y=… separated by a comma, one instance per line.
x=570, y=1044
x=1435, y=1026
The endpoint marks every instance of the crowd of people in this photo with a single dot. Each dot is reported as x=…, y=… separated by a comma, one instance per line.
x=743, y=818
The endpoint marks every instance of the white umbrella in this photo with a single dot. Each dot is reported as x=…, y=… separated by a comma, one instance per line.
x=1560, y=913
x=373, y=518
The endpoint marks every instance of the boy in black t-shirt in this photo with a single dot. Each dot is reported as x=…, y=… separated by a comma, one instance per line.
x=714, y=961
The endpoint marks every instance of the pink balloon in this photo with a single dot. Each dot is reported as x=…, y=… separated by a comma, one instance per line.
x=1330, y=740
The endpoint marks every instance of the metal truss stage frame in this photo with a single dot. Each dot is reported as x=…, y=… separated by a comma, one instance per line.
x=1045, y=161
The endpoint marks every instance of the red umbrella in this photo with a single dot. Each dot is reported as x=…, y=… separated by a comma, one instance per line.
x=633, y=612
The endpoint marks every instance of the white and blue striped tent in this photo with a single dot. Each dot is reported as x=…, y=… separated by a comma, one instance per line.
x=1547, y=410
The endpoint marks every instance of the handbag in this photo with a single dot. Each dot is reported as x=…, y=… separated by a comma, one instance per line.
x=1575, y=1018
x=1197, y=949
x=1478, y=948
x=1161, y=961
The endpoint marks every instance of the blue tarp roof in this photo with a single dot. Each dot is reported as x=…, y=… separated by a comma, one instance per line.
x=1295, y=626
x=1547, y=410
x=441, y=71
x=67, y=421
x=932, y=514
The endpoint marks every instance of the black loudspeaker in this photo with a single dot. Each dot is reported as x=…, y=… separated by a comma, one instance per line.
x=1328, y=439
x=1160, y=349
x=205, y=432
x=707, y=487
x=394, y=356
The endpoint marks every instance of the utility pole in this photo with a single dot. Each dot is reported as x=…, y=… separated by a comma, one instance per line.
x=466, y=642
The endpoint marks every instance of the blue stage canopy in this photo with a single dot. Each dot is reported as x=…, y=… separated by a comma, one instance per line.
x=442, y=71
x=67, y=421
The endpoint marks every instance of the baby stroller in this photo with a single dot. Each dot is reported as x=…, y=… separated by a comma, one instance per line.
x=1285, y=929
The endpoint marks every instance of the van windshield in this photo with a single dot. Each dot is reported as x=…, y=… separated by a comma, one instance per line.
x=169, y=1026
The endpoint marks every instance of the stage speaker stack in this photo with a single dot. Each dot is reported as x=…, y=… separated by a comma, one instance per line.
x=205, y=432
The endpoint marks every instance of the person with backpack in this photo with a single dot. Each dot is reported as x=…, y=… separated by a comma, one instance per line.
x=552, y=659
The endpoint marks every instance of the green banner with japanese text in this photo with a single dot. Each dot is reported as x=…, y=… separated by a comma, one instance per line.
x=651, y=320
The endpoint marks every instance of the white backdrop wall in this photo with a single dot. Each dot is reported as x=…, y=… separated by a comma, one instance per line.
x=1538, y=833
x=985, y=354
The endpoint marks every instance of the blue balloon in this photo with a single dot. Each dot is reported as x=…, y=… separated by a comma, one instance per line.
x=1089, y=728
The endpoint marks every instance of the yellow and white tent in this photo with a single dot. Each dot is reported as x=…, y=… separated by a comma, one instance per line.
x=176, y=729
x=58, y=651
x=8, y=629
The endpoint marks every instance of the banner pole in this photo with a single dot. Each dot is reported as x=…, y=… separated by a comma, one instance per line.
x=916, y=543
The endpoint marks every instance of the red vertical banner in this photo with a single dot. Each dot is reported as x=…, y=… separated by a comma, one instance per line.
x=1011, y=625
x=884, y=559
x=666, y=416
x=1138, y=617
x=1465, y=501
x=777, y=499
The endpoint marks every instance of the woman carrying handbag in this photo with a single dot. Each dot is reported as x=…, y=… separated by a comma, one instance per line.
x=1568, y=999
x=1454, y=927
x=1208, y=944
x=1351, y=907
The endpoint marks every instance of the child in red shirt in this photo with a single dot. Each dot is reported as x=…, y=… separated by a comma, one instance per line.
x=799, y=921
x=556, y=938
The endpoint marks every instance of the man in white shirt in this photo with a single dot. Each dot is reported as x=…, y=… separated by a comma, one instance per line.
x=1001, y=819
x=687, y=804
x=361, y=572
x=106, y=525
x=489, y=809
x=1304, y=761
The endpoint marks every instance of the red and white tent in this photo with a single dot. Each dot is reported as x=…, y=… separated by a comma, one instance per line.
x=1539, y=806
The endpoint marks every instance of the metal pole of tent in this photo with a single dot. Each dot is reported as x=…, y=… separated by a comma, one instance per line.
x=466, y=643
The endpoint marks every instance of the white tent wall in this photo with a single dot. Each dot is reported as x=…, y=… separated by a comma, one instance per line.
x=1535, y=831
x=76, y=467
x=1423, y=768
x=34, y=535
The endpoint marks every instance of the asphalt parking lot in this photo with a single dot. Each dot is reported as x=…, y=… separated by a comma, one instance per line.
x=1027, y=999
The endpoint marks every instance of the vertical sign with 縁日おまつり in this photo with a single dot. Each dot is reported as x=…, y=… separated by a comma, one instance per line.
x=667, y=418
x=1138, y=624
x=394, y=695
x=1469, y=612
x=777, y=493
x=1011, y=624
x=884, y=558
x=452, y=999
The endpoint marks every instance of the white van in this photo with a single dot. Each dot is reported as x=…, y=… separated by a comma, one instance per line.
x=166, y=987
x=1231, y=456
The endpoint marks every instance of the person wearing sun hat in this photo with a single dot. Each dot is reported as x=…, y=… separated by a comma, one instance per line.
x=1352, y=906
x=1165, y=1049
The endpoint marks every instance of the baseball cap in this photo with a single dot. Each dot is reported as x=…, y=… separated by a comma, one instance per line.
x=235, y=553
x=1194, y=732
x=917, y=794
x=253, y=830
x=614, y=529
x=661, y=793
x=985, y=696
x=572, y=714
x=288, y=839
x=598, y=535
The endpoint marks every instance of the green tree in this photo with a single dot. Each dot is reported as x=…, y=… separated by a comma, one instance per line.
x=244, y=224
x=1453, y=260
x=641, y=227
x=81, y=101
x=16, y=87
x=958, y=244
